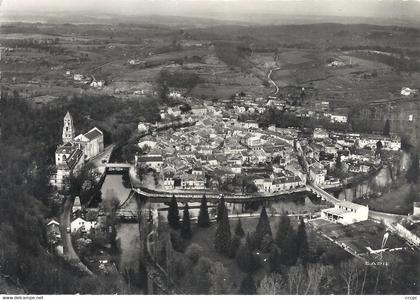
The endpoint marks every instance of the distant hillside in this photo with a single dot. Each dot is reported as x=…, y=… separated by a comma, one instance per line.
x=385, y=12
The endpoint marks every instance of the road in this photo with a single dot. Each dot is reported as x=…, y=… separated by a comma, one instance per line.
x=272, y=81
x=69, y=254
x=102, y=159
x=68, y=249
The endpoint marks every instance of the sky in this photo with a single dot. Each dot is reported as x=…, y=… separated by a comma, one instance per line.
x=223, y=8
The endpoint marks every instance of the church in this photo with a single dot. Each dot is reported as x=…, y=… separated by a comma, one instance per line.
x=74, y=152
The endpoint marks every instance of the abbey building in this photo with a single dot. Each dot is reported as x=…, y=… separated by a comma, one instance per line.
x=74, y=152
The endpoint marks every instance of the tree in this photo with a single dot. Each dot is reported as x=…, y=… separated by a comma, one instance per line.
x=181, y=266
x=238, y=229
x=412, y=196
x=248, y=286
x=203, y=216
x=271, y=284
x=245, y=258
x=317, y=278
x=220, y=280
x=338, y=163
x=234, y=245
x=263, y=228
x=348, y=271
x=186, y=232
x=194, y=252
x=387, y=128
x=221, y=208
x=178, y=243
x=185, y=107
x=142, y=170
x=302, y=243
x=283, y=229
x=296, y=280
x=412, y=174
x=223, y=235
x=266, y=243
x=199, y=276
x=275, y=260
x=286, y=241
x=173, y=213
x=379, y=147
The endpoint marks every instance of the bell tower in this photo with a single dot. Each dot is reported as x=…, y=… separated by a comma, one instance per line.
x=68, y=129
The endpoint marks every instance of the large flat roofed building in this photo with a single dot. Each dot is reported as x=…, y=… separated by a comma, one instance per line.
x=345, y=213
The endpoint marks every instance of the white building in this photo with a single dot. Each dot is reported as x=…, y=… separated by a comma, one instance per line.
x=168, y=183
x=83, y=225
x=250, y=124
x=416, y=208
x=317, y=175
x=371, y=141
x=199, y=110
x=345, y=213
x=91, y=142
x=192, y=182
x=142, y=127
x=152, y=161
x=78, y=77
x=336, y=118
x=405, y=91
x=320, y=134
x=254, y=141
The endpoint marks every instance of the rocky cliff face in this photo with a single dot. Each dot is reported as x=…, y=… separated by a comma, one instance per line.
x=404, y=117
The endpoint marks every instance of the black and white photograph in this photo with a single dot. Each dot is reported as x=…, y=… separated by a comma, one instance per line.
x=209, y=147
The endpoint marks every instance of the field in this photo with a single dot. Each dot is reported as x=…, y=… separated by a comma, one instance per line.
x=227, y=59
x=368, y=233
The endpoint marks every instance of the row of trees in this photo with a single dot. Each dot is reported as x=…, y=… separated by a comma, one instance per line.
x=291, y=267
x=185, y=225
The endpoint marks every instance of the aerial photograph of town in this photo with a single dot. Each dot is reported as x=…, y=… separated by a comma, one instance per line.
x=209, y=147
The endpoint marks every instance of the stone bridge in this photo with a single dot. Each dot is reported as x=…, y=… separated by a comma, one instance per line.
x=117, y=167
x=322, y=193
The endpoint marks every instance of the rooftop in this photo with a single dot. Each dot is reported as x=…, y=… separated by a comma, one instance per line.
x=145, y=158
x=94, y=133
x=336, y=211
x=350, y=205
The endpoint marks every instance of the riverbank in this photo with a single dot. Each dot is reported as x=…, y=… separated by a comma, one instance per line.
x=394, y=202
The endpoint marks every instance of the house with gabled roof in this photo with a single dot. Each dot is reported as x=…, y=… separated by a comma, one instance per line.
x=92, y=142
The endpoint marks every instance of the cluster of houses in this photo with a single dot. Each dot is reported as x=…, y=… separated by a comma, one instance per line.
x=219, y=141
x=318, y=110
x=83, y=221
x=75, y=151
x=355, y=153
x=191, y=157
x=81, y=78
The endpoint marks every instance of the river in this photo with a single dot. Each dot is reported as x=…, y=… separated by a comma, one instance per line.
x=375, y=185
x=127, y=233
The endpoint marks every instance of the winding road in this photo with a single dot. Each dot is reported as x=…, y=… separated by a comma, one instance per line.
x=272, y=81
x=68, y=250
